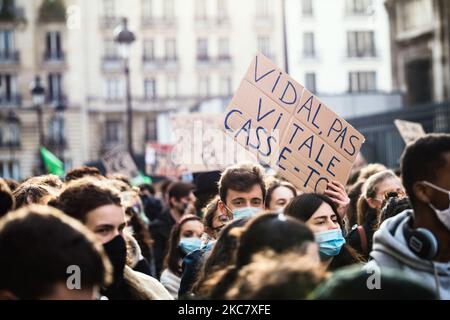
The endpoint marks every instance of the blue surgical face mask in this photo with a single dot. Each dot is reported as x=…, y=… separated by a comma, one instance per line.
x=187, y=245
x=246, y=212
x=330, y=243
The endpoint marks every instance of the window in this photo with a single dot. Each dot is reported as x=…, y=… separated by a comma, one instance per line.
x=147, y=8
x=150, y=89
x=56, y=133
x=172, y=87
x=200, y=10
x=264, y=46
x=168, y=9
x=358, y=7
x=310, y=82
x=10, y=169
x=109, y=8
x=9, y=134
x=114, y=133
x=171, y=50
x=362, y=81
x=225, y=86
x=262, y=9
x=202, y=49
x=114, y=89
x=361, y=44
x=6, y=44
x=8, y=88
x=151, y=130
x=53, y=49
x=308, y=45
x=111, y=50
x=224, y=49
x=307, y=8
x=55, y=87
x=222, y=11
x=203, y=86
x=149, y=49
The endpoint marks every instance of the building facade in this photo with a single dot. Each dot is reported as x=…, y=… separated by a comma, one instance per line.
x=340, y=50
x=420, y=40
x=187, y=52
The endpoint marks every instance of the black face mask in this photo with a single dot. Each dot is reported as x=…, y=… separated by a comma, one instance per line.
x=183, y=209
x=116, y=249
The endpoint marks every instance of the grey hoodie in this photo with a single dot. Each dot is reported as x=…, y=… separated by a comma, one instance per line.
x=390, y=250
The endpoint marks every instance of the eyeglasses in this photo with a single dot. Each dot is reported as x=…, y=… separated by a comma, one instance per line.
x=399, y=193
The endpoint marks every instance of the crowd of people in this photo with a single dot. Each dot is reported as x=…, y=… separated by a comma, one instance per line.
x=237, y=234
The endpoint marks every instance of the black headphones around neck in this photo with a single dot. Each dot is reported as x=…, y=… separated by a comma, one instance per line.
x=420, y=241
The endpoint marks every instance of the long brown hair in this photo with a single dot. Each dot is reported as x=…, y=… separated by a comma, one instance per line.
x=369, y=191
x=174, y=253
x=304, y=206
x=273, y=185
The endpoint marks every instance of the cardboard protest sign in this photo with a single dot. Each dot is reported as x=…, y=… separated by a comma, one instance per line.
x=118, y=160
x=410, y=131
x=201, y=145
x=158, y=160
x=289, y=128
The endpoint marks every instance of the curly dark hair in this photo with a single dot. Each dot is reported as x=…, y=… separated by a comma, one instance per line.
x=80, y=197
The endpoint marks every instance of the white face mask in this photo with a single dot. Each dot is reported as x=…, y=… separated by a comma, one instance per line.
x=443, y=215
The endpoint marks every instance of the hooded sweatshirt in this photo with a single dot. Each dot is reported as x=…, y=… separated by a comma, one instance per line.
x=390, y=250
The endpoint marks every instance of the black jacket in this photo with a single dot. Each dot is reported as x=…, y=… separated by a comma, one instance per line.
x=354, y=239
x=160, y=230
x=191, y=267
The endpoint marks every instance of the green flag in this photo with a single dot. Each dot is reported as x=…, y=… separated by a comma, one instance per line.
x=52, y=163
x=141, y=179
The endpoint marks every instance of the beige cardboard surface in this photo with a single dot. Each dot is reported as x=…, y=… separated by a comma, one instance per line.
x=410, y=131
x=310, y=146
x=118, y=160
x=201, y=145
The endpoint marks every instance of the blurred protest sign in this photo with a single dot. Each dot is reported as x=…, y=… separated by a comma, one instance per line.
x=290, y=129
x=158, y=160
x=201, y=145
x=410, y=131
x=119, y=160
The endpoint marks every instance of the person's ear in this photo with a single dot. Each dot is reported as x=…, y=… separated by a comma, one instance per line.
x=173, y=201
x=7, y=295
x=421, y=192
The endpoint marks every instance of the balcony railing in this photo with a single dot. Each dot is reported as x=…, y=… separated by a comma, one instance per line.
x=10, y=144
x=9, y=57
x=214, y=61
x=158, y=22
x=57, y=142
x=14, y=100
x=54, y=56
x=110, y=22
x=112, y=63
x=212, y=22
x=365, y=54
x=12, y=14
x=160, y=63
x=57, y=100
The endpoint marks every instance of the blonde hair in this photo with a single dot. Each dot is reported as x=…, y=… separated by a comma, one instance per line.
x=278, y=276
x=369, y=191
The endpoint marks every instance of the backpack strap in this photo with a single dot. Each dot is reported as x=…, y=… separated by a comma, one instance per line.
x=363, y=238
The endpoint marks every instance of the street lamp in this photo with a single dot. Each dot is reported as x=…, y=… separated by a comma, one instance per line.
x=38, y=95
x=59, y=117
x=124, y=38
